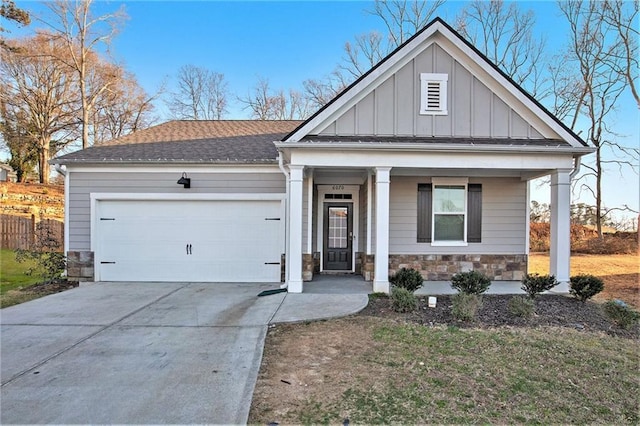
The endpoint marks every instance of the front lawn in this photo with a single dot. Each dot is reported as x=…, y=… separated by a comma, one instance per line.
x=374, y=370
x=12, y=273
x=17, y=287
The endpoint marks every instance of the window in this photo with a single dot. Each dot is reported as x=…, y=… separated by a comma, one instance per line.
x=433, y=94
x=449, y=212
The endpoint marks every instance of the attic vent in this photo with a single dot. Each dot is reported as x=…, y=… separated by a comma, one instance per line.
x=433, y=94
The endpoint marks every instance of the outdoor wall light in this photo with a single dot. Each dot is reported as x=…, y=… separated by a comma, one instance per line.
x=184, y=180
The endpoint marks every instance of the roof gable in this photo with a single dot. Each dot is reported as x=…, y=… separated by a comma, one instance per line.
x=484, y=102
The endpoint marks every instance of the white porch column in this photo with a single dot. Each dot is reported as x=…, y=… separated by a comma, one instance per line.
x=560, y=228
x=381, y=268
x=294, y=255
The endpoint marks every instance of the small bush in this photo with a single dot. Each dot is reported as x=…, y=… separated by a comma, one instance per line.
x=620, y=313
x=403, y=300
x=534, y=284
x=521, y=306
x=465, y=306
x=472, y=282
x=407, y=278
x=584, y=287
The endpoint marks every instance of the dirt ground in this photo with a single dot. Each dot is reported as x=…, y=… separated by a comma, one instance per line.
x=25, y=199
x=620, y=273
x=296, y=369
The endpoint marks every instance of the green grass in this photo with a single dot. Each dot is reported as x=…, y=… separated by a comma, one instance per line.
x=12, y=273
x=443, y=375
x=13, y=278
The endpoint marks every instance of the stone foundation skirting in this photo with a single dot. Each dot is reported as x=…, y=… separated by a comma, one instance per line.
x=80, y=265
x=439, y=267
x=367, y=266
x=308, y=266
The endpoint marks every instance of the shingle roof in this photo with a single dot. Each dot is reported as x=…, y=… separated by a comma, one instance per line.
x=220, y=141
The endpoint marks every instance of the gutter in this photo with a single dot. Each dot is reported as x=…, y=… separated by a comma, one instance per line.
x=286, y=216
x=434, y=147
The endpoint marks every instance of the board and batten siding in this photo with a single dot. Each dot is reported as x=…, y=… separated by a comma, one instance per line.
x=392, y=108
x=504, y=225
x=82, y=184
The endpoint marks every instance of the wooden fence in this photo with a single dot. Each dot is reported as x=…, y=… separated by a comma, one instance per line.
x=17, y=232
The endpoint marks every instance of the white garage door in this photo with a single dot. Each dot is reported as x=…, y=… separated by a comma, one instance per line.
x=199, y=241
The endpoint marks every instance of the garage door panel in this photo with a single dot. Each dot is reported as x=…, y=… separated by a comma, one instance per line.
x=230, y=241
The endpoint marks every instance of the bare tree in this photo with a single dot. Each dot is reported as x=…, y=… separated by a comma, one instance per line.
x=265, y=104
x=84, y=34
x=623, y=17
x=124, y=108
x=505, y=34
x=202, y=95
x=37, y=98
x=401, y=18
x=597, y=54
x=11, y=12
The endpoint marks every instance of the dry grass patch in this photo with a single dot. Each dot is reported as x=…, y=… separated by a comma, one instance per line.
x=376, y=370
x=620, y=273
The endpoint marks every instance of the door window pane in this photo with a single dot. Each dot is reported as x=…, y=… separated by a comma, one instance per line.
x=337, y=228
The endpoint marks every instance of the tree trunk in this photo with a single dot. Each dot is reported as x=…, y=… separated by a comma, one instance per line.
x=43, y=161
x=598, y=193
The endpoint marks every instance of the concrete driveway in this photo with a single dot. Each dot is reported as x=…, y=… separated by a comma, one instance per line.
x=142, y=352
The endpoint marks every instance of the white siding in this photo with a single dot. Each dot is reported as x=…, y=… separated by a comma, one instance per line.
x=82, y=184
x=503, y=218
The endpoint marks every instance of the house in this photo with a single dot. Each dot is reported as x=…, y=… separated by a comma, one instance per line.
x=7, y=174
x=422, y=162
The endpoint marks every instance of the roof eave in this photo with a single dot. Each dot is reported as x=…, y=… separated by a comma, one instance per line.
x=578, y=151
x=138, y=162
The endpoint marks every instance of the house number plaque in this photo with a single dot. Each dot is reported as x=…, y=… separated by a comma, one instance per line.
x=338, y=187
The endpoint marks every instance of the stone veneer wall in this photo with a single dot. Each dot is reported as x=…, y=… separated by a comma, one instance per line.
x=438, y=267
x=308, y=266
x=367, y=266
x=80, y=265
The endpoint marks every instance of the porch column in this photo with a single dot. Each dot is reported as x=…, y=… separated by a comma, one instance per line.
x=560, y=228
x=381, y=279
x=294, y=259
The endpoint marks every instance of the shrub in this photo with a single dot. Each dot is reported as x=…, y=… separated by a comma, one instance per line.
x=620, y=313
x=407, y=278
x=584, y=287
x=49, y=263
x=403, y=300
x=465, y=306
x=521, y=306
x=534, y=284
x=472, y=282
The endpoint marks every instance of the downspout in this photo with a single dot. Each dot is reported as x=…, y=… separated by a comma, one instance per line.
x=576, y=167
x=64, y=172
x=286, y=215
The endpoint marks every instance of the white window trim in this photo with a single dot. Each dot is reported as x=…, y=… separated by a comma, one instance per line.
x=442, y=182
x=441, y=79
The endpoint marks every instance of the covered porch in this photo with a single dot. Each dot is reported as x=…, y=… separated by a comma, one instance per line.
x=357, y=211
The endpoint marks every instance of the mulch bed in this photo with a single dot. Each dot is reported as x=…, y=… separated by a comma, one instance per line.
x=550, y=311
x=49, y=288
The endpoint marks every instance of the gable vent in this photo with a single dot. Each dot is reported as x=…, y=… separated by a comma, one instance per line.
x=433, y=94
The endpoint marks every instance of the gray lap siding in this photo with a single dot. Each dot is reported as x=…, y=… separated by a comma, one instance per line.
x=82, y=184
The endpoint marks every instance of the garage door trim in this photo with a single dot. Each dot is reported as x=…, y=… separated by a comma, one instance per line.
x=98, y=197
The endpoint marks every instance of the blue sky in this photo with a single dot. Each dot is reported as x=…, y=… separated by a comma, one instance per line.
x=288, y=42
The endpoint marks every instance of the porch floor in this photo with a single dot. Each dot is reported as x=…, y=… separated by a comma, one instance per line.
x=355, y=284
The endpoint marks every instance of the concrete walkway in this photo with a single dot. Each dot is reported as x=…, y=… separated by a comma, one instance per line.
x=146, y=353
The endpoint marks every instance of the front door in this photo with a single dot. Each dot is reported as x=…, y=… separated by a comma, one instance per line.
x=338, y=236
